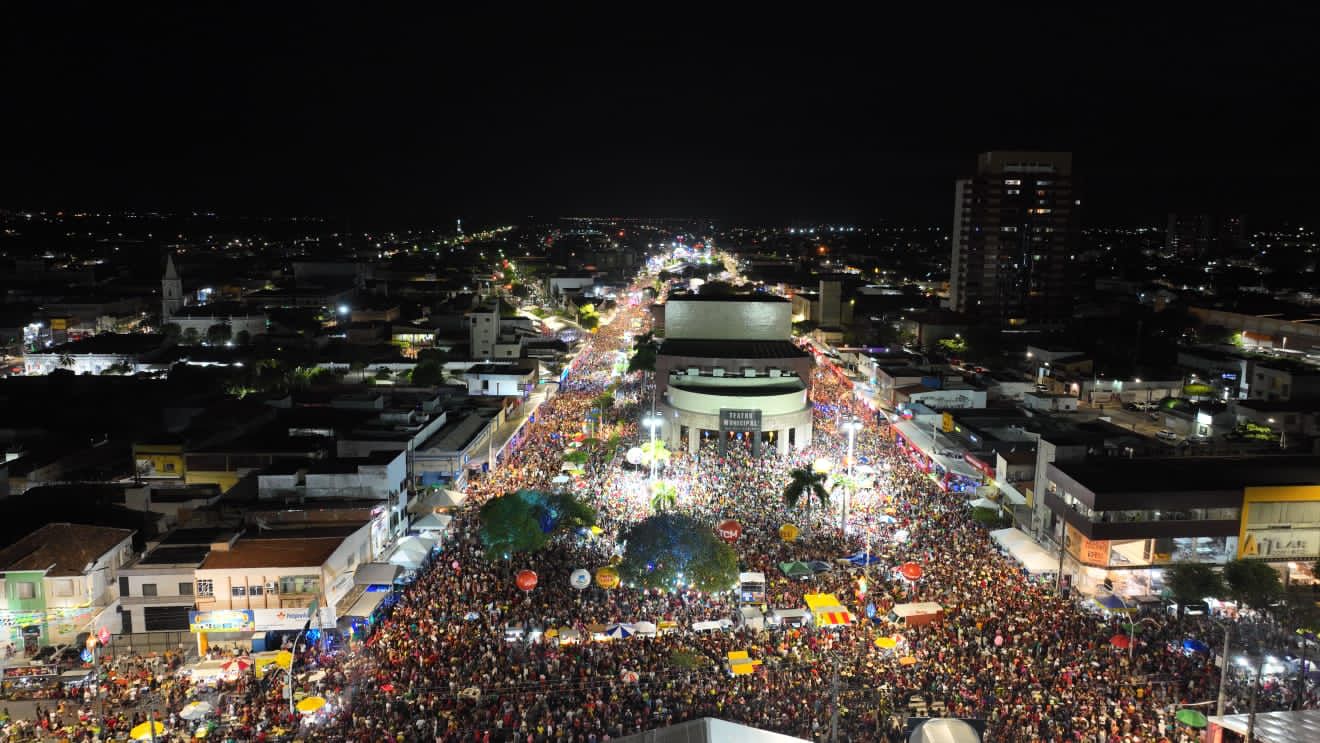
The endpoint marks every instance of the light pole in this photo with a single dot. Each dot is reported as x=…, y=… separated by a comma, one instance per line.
x=652, y=421
x=852, y=426
x=1223, y=670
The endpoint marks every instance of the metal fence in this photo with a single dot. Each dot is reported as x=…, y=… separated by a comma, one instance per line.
x=153, y=642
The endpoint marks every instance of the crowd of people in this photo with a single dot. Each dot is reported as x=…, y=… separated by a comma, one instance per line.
x=465, y=655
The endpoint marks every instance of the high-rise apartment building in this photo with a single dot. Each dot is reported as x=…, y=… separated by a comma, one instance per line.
x=1204, y=235
x=1014, y=239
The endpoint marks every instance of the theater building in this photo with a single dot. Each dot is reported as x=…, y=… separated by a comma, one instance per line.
x=727, y=370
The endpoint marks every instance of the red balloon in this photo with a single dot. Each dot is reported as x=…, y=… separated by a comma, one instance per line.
x=729, y=530
x=911, y=571
x=526, y=580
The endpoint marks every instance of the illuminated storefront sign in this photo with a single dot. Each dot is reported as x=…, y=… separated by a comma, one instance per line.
x=222, y=620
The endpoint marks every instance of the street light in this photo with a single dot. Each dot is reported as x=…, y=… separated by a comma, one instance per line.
x=652, y=421
x=852, y=425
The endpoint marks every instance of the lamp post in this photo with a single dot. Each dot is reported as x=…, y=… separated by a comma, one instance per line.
x=652, y=421
x=852, y=426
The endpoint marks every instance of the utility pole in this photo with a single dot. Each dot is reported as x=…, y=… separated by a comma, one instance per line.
x=1251, y=713
x=833, y=714
x=1223, y=670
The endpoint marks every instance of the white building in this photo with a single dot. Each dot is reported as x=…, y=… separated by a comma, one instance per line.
x=60, y=581
x=502, y=379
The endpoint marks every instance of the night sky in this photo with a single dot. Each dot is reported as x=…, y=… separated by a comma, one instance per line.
x=397, y=117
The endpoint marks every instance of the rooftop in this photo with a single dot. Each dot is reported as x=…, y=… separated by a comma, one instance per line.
x=175, y=556
x=762, y=390
x=759, y=297
x=64, y=549
x=291, y=552
x=731, y=349
x=519, y=369
x=107, y=343
x=1187, y=474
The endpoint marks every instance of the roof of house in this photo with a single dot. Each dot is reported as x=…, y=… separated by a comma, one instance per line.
x=65, y=549
x=294, y=552
x=520, y=370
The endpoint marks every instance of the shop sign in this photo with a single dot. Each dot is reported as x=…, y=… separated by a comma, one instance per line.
x=291, y=618
x=1277, y=543
x=222, y=620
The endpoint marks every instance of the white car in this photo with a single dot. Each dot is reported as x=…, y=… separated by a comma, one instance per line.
x=1166, y=435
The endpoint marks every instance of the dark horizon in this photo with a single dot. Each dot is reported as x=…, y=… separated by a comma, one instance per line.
x=413, y=121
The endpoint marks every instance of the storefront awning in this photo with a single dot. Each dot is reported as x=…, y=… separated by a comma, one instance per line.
x=1036, y=559
x=376, y=574
x=433, y=522
x=365, y=605
x=958, y=467
x=917, y=435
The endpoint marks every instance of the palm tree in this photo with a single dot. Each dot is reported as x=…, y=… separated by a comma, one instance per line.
x=805, y=482
x=66, y=360
x=664, y=497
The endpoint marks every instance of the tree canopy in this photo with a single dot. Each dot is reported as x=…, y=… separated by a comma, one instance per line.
x=428, y=373
x=1192, y=581
x=526, y=520
x=668, y=550
x=645, y=350
x=1252, y=583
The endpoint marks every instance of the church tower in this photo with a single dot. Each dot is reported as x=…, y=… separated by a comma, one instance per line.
x=171, y=291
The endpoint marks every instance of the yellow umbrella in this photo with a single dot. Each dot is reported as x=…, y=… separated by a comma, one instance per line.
x=311, y=705
x=888, y=643
x=143, y=731
x=906, y=660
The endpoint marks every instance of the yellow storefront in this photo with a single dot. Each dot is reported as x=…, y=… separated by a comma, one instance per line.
x=1281, y=524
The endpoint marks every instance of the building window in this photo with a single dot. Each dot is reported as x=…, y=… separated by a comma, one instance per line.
x=205, y=588
x=300, y=584
x=237, y=591
x=272, y=587
x=25, y=589
x=169, y=466
x=185, y=588
x=254, y=590
x=62, y=587
x=148, y=589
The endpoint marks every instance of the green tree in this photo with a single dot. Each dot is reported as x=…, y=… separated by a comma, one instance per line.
x=1252, y=583
x=956, y=346
x=1192, y=581
x=669, y=550
x=190, y=336
x=577, y=456
x=588, y=317
x=645, y=350
x=359, y=366
x=664, y=496
x=603, y=401
x=242, y=338
x=428, y=374
x=219, y=333
x=66, y=360
x=654, y=451
x=1299, y=610
x=805, y=482
x=383, y=373
x=526, y=520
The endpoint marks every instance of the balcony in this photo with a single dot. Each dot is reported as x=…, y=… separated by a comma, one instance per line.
x=1139, y=529
x=157, y=600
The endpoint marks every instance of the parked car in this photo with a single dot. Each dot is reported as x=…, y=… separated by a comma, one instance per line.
x=1166, y=435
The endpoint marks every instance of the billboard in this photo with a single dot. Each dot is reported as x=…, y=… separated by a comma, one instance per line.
x=222, y=620
x=291, y=618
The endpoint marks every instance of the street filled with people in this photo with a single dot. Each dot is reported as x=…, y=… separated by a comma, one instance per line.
x=467, y=655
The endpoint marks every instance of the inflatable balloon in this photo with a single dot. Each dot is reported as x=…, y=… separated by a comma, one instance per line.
x=607, y=577
x=579, y=579
x=788, y=532
x=729, y=530
x=526, y=580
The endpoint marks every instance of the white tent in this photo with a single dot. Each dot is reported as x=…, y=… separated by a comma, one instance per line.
x=433, y=522
x=708, y=730
x=984, y=503
x=1030, y=555
x=404, y=559
x=944, y=730
x=645, y=629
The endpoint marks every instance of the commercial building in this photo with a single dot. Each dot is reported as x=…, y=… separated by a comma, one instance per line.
x=60, y=581
x=1125, y=519
x=1015, y=233
x=502, y=379
x=728, y=370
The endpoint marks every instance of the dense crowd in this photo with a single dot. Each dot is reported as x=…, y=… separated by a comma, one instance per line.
x=444, y=666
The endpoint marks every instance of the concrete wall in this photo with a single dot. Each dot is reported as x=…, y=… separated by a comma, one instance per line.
x=731, y=320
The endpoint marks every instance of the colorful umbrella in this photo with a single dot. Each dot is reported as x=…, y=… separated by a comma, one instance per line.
x=237, y=665
x=1195, y=646
x=195, y=710
x=911, y=571
x=888, y=643
x=1191, y=718
x=1120, y=641
x=907, y=660
x=143, y=731
x=310, y=705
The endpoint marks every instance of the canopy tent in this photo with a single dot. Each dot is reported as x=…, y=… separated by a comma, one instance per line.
x=827, y=610
x=619, y=630
x=433, y=522
x=560, y=479
x=645, y=629
x=437, y=499
x=740, y=664
x=376, y=574
x=984, y=503
x=1034, y=558
x=708, y=730
x=862, y=559
x=944, y=730
x=707, y=626
x=404, y=558
x=796, y=569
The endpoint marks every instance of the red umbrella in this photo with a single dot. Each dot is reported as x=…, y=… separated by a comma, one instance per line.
x=237, y=665
x=1120, y=641
x=387, y=688
x=911, y=571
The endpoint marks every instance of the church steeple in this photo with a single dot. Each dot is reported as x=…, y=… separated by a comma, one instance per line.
x=171, y=291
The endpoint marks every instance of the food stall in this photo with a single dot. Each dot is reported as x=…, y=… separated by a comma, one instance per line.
x=31, y=682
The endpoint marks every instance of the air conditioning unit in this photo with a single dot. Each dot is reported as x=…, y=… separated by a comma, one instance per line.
x=749, y=372
x=718, y=372
x=776, y=373
x=693, y=371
